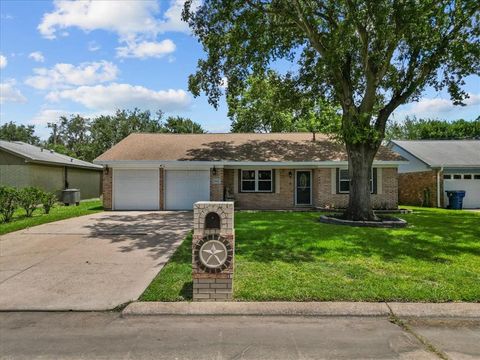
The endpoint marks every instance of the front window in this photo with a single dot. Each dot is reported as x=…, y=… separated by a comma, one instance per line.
x=257, y=181
x=344, y=181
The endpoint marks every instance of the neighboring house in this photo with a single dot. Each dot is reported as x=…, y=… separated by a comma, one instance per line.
x=257, y=171
x=436, y=166
x=23, y=165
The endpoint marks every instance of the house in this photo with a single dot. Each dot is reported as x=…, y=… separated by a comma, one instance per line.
x=257, y=171
x=22, y=164
x=436, y=166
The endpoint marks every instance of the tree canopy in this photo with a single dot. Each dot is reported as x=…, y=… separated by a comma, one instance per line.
x=433, y=129
x=13, y=132
x=86, y=139
x=368, y=56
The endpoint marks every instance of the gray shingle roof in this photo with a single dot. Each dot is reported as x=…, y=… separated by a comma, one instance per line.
x=446, y=153
x=37, y=154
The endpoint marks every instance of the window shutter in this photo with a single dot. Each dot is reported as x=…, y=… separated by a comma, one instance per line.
x=277, y=181
x=374, y=175
x=239, y=180
x=337, y=177
x=273, y=181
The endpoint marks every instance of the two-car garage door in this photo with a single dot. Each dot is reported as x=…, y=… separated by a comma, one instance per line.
x=139, y=189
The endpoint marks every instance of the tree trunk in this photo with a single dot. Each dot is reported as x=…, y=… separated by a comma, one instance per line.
x=360, y=159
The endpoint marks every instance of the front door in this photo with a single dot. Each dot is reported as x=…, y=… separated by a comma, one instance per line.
x=303, y=187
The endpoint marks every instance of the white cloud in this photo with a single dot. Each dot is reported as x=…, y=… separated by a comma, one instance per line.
x=67, y=75
x=137, y=23
x=123, y=96
x=436, y=107
x=37, y=56
x=3, y=61
x=173, y=17
x=123, y=17
x=9, y=93
x=146, y=49
x=48, y=116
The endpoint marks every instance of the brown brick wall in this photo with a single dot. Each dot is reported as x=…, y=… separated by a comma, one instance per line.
x=387, y=199
x=321, y=187
x=216, y=185
x=284, y=199
x=107, y=188
x=413, y=186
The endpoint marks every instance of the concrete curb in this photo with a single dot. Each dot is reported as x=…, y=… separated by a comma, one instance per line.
x=467, y=310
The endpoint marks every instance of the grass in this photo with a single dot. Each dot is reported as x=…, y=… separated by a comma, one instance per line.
x=291, y=256
x=59, y=212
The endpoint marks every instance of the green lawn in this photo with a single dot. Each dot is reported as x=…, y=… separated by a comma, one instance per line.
x=291, y=256
x=59, y=212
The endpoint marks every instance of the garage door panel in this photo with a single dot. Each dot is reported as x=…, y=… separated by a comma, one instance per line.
x=472, y=188
x=136, y=189
x=183, y=188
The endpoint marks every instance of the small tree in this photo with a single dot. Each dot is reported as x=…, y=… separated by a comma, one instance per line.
x=8, y=202
x=48, y=201
x=29, y=198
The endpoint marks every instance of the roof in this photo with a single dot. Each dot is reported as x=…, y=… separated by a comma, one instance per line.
x=251, y=147
x=40, y=155
x=446, y=153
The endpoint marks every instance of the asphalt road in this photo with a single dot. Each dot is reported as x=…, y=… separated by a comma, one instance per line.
x=32, y=335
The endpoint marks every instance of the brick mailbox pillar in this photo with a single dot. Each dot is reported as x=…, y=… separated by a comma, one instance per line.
x=213, y=248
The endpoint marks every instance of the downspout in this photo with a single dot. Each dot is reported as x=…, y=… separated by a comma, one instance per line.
x=438, y=187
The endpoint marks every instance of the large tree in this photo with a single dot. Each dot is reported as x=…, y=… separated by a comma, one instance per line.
x=13, y=132
x=369, y=56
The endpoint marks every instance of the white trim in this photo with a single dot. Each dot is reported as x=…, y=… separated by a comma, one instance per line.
x=311, y=187
x=172, y=164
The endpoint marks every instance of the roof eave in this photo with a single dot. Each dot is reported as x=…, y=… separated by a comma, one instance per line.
x=160, y=163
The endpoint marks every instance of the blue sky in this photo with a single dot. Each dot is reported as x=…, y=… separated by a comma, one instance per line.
x=63, y=57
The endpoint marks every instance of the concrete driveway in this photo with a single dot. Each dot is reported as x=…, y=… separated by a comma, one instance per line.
x=93, y=262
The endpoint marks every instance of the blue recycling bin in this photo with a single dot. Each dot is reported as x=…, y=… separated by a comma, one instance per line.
x=455, y=199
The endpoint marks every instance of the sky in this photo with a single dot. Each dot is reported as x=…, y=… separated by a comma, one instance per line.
x=92, y=57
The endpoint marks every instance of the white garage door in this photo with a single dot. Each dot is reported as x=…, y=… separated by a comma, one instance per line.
x=136, y=189
x=183, y=188
x=471, y=185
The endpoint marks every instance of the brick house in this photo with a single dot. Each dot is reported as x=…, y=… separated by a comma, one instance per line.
x=257, y=171
x=435, y=166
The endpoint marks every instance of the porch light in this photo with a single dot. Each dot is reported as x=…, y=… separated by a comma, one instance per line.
x=214, y=170
x=290, y=174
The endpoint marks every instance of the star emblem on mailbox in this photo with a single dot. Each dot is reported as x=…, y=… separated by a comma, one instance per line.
x=213, y=254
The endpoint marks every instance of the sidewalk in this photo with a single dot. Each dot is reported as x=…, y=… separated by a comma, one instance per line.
x=432, y=310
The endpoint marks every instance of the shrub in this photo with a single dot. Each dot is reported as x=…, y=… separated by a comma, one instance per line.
x=48, y=200
x=8, y=202
x=29, y=198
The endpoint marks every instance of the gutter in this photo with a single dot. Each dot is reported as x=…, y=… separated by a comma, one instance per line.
x=188, y=163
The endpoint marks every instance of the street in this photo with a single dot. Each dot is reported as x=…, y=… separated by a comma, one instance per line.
x=106, y=335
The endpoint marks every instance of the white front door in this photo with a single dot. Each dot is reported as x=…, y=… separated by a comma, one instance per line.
x=136, y=189
x=471, y=185
x=183, y=188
